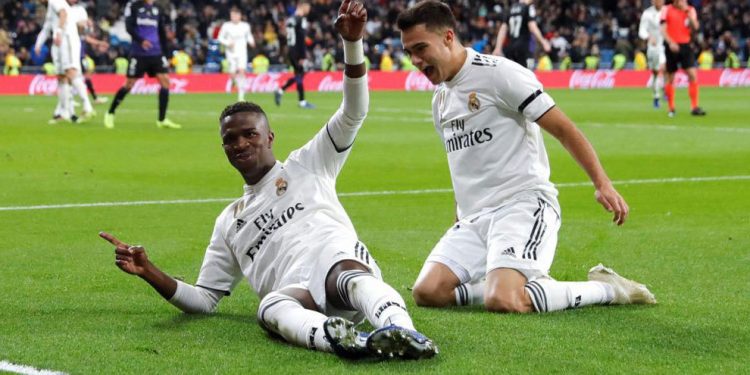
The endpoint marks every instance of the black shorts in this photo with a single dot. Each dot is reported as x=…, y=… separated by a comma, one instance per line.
x=151, y=65
x=518, y=53
x=684, y=58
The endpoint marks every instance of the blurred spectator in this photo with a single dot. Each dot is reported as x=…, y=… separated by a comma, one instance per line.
x=12, y=64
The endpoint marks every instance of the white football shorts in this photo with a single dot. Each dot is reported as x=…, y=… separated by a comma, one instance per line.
x=521, y=235
x=237, y=62
x=655, y=57
x=67, y=55
x=323, y=262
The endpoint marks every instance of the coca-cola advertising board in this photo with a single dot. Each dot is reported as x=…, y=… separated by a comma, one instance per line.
x=378, y=81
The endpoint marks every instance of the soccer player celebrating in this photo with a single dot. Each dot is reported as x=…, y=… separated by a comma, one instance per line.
x=650, y=31
x=677, y=23
x=235, y=35
x=290, y=237
x=519, y=23
x=488, y=111
x=66, y=55
x=296, y=27
x=145, y=22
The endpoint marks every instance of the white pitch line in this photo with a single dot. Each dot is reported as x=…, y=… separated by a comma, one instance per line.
x=367, y=193
x=666, y=127
x=27, y=370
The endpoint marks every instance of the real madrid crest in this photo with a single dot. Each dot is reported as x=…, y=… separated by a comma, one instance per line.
x=473, y=102
x=281, y=185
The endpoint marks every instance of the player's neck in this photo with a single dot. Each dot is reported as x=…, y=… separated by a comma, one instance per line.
x=458, y=60
x=255, y=176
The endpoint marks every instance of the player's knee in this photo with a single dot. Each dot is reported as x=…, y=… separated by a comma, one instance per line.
x=506, y=303
x=431, y=295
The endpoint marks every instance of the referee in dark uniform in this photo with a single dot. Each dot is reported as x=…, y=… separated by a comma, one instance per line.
x=296, y=32
x=145, y=22
x=518, y=25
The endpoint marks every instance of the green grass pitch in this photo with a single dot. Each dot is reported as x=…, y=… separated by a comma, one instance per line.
x=65, y=306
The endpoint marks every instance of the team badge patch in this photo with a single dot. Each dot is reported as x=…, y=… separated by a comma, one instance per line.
x=473, y=102
x=281, y=185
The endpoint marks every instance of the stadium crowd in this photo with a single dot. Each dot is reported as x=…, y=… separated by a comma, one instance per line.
x=583, y=34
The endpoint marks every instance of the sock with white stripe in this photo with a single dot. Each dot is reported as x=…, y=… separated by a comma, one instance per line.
x=470, y=294
x=285, y=316
x=656, y=86
x=552, y=295
x=382, y=305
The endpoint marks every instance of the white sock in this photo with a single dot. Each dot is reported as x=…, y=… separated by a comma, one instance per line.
x=381, y=304
x=80, y=86
x=552, y=295
x=470, y=294
x=285, y=316
x=240, y=82
x=656, y=86
x=60, y=108
x=66, y=100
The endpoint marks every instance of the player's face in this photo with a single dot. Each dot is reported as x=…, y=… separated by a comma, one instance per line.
x=235, y=16
x=680, y=4
x=430, y=51
x=248, y=142
x=658, y=3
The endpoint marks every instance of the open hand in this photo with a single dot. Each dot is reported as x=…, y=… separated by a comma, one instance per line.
x=350, y=23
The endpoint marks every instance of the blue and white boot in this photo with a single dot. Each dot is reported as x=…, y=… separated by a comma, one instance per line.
x=398, y=342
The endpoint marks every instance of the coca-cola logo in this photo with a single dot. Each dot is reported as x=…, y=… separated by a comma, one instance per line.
x=329, y=83
x=43, y=85
x=416, y=81
x=681, y=80
x=264, y=82
x=734, y=78
x=598, y=79
x=176, y=86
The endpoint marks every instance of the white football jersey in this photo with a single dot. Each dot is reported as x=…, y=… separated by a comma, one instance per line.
x=78, y=15
x=485, y=117
x=238, y=35
x=53, y=17
x=274, y=233
x=650, y=26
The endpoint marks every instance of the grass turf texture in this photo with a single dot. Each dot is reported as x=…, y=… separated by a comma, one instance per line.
x=66, y=307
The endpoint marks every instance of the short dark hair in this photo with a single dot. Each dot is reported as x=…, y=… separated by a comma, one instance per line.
x=434, y=14
x=242, y=107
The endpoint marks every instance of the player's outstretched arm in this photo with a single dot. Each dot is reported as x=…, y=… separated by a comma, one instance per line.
x=133, y=260
x=562, y=128
x=350, y=24
x=500, y=40
x=190, y=299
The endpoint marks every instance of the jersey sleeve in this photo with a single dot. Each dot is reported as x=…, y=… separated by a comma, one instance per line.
x=437, y=97
x=326, y=153
x=220, y=270
x=250, y=38
x=643, y=26
x=518, y=90
x=224, y=35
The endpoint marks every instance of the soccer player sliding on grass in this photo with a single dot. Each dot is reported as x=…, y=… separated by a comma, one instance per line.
x=488, y=111
x=290, y=237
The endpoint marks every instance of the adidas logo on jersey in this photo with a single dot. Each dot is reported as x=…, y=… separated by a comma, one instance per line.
x=509, y=252
x=240, y=224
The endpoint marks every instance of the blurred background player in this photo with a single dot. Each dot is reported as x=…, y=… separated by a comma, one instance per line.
x=650, y=31
x=677, y=23
x=66, y=57
x=88, y=67
x=235, y=35
x=518, y=24
x=296, y=28
x=146, y=23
